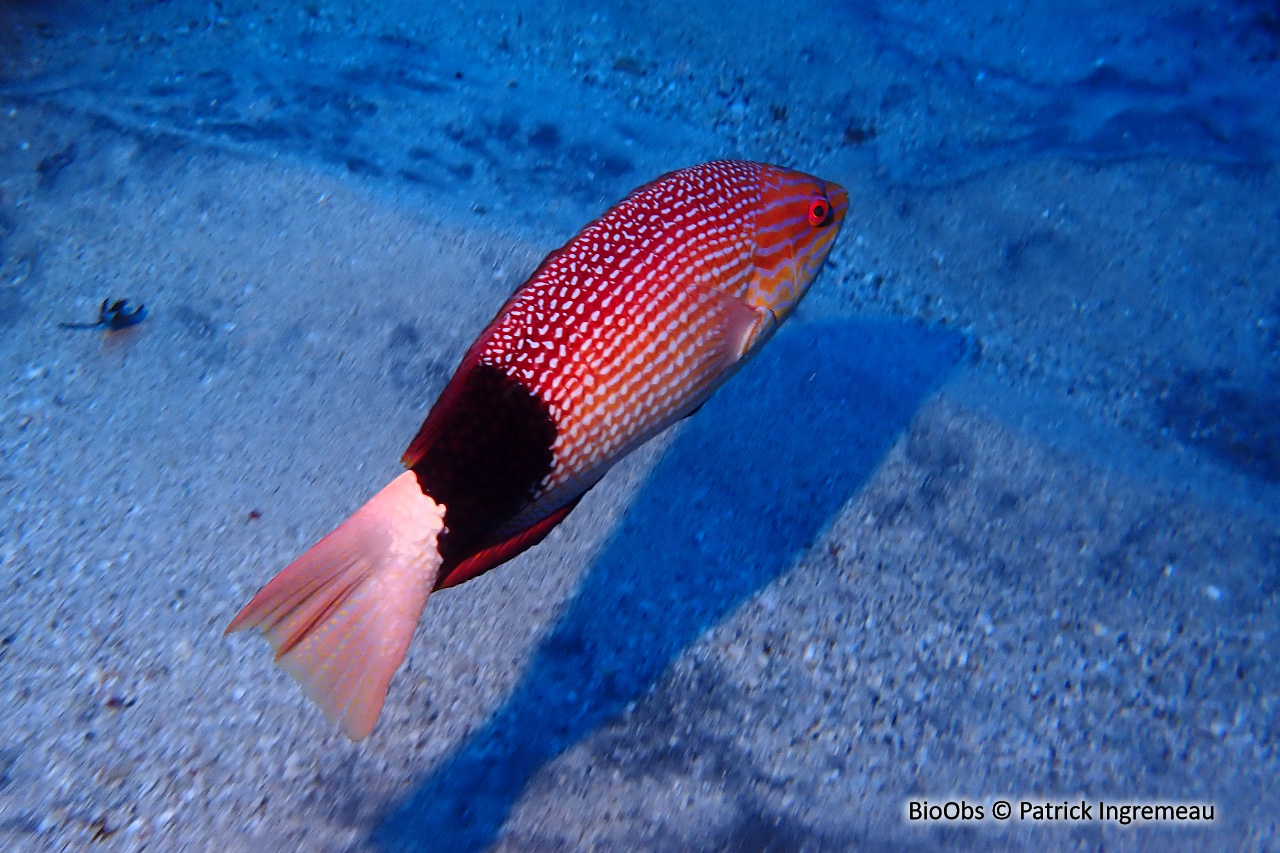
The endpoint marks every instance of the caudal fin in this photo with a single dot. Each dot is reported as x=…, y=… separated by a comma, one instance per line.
x=340, y=617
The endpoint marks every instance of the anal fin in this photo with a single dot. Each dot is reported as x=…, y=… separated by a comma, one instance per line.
x=497, y=554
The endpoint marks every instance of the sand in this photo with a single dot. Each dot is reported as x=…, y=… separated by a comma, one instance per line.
x=996, y=516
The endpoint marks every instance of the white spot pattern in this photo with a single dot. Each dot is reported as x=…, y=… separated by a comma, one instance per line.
x=622, y=330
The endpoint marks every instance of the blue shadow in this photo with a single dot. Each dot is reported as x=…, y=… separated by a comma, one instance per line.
x=753, y=480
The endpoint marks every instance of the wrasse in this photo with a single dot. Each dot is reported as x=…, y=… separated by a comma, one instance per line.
x=626, y=329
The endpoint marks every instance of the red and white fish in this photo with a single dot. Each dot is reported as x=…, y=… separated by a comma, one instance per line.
x=626, y=329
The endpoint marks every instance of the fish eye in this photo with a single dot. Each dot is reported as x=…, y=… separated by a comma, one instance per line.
x=819, y=212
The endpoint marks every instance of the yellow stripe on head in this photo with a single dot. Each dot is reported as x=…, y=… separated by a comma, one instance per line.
x=797, y=221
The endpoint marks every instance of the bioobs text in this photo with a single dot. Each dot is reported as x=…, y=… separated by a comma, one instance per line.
x=950, y=810
x=1080, y=811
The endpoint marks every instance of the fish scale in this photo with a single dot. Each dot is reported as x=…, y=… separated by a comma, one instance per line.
x=650, y=277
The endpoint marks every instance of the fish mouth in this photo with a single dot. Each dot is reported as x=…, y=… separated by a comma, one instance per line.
x=810, y=263
x=839, y=200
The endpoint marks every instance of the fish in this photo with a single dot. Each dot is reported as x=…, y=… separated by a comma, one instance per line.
x=626, y=329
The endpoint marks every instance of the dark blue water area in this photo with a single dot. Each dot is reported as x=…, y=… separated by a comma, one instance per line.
x=752, y=481
x=933, y=98
x=994, y=85
x=418, y=112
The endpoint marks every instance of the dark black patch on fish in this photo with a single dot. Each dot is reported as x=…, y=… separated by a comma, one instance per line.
x=491, y=451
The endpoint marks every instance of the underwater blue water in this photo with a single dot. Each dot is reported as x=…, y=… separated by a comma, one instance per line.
x=1011, y=474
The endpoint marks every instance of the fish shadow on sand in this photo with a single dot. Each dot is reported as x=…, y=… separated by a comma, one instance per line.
x=753, y=480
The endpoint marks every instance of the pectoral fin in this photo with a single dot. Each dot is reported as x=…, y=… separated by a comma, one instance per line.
x=748, y=327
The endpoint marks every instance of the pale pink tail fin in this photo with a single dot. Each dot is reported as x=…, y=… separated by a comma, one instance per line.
x=340, y=617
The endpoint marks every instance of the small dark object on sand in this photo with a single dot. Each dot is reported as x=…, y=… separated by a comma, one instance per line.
x=113, y=316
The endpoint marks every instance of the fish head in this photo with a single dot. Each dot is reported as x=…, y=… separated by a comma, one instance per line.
x=796, y=224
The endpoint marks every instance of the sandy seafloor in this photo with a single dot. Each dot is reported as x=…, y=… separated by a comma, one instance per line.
x=996, y=516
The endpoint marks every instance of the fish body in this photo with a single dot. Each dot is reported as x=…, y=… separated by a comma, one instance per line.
x=627, y=328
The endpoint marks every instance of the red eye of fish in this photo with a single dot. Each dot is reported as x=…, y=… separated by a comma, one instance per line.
x=819, y=210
